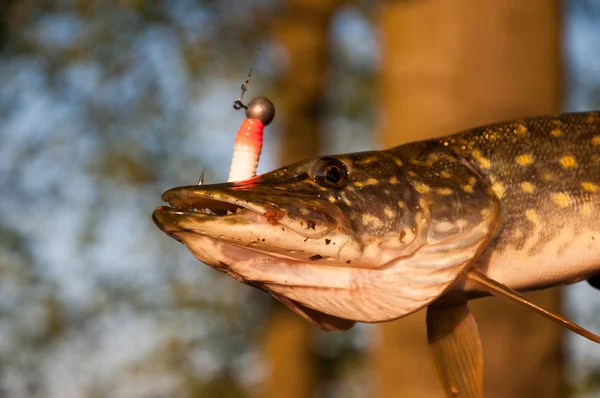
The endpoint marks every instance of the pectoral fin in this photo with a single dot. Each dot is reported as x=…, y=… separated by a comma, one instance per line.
x=454, y=340
x=498, y=289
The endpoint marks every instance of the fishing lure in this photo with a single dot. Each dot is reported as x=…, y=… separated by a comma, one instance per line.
x=247, y=146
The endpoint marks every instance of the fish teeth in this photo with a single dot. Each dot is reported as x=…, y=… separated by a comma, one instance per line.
x=217, y=211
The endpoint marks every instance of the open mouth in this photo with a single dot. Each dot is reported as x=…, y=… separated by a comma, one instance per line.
x=249, y=237
x=197, y=209
x=192, y=201
x=208, y=207
x=218, y=209
x=209, y=202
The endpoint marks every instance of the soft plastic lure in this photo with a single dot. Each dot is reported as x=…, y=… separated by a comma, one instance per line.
x=247, y=146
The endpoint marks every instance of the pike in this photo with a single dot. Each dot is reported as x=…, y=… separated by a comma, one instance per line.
x=375, y=236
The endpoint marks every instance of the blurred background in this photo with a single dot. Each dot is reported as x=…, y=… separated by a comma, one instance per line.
x=105, y=104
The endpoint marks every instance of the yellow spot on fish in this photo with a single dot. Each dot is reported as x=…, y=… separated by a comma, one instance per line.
x=401, y=204
x=589, y=186
x=445, y=174
x=532, y=216
x=422, y=188
x=498, y=189
x=371, y=181
x=358, y=184
x=561, y=199
x=485, y=163
x=568, y=162
x=331, y=199
x=368, y=160
x=556, y=133
x=389, y=212
x=467, y=188
x=445, y=191
x=398, y=162
x=472, y=180
x=527, y=187
x=411, y=173
x=393, y=180
x=521, y=130
x=596, y=140
x=371, y=220
x=524, y=160
x=350, y=188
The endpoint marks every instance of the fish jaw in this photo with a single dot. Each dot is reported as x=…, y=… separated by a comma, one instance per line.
x=238, y=261
x=302, y=213
x=300, y=229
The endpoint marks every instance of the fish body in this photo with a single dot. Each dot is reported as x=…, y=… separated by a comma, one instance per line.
x=545, y=173
x=374, y=236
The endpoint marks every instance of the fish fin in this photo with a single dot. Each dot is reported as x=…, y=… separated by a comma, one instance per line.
x=498, y=289
x=455, y=345
x=594, y=281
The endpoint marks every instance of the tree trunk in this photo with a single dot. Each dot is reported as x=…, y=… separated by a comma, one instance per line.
x=303, y=32
x=450, y=65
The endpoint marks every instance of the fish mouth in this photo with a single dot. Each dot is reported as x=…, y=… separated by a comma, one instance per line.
x=243, y=203
x=296, y=228
x=203, y=204
x=225, y=228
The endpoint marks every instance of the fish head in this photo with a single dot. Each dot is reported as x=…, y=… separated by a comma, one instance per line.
x=335, y=238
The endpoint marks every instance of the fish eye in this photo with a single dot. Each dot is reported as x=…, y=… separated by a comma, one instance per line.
x=332, y=173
